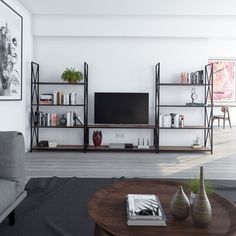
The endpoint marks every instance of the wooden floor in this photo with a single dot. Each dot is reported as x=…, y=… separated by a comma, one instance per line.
x=220, y=165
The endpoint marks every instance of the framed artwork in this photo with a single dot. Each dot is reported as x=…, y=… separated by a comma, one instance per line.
x=11, y=40
x=223, y=79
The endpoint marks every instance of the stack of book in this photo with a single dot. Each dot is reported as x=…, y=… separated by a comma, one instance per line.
x=45, y=98
x=144, y=210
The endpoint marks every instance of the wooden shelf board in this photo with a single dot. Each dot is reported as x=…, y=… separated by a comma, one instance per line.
x=60, y=148
x=57, y=83
x=186, y=127
x=181, y=106
x=122, y=126
x=53, y=105
x=183, y=149
x=60, y=127
x=181, y=84
x=106, y=148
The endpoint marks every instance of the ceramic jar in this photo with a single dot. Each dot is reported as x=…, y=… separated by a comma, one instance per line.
x=179, y=205
x=62, y=120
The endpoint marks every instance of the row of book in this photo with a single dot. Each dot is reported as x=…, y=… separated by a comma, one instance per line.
x=58, y=98
x=144, y=210
x=192, y=77
x=45, y=119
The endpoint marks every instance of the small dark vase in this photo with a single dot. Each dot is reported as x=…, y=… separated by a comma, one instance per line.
x=201, y=208
x=179, y=205
x=97, y=138
x=62, y=120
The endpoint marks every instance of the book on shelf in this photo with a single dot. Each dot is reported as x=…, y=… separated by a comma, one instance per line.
x=62, y=98
x=45, y=98
x=45, y=102
x=196, y=146
x=73, y=119
x=144, y=210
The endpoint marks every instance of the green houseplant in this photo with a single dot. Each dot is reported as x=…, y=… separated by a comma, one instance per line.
x=193, y=185
x=71, y=75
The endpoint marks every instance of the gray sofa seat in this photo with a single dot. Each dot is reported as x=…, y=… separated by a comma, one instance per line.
x=12, y=173
x=12, y=158
x=7, y=193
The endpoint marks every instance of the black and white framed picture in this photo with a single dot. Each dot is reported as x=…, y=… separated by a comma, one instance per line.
x=11, y=27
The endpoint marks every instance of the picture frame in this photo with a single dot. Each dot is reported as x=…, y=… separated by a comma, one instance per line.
x=224, y=79
x=11, y=53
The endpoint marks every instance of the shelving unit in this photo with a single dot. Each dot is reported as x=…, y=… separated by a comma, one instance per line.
x=35, y=105
x=207, y=127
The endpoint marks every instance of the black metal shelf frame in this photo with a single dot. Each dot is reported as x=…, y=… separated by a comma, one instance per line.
x=208, y=107
x=35, y=88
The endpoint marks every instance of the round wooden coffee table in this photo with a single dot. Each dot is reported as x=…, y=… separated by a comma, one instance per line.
x=108, y=209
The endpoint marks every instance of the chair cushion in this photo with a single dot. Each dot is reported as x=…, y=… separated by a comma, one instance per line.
x=218, y=117
x=7, y=194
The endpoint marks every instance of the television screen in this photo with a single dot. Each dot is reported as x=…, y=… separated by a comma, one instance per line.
x=121, y=108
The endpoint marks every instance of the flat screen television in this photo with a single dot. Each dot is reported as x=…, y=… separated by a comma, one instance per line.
x=121, y=108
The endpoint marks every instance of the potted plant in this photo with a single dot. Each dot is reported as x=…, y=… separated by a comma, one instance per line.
x=71, y=75
x=193, y=185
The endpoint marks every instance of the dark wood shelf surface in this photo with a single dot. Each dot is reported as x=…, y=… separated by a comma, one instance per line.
x=183, y=106
x=181, y=84
x=106, y=148
x=62, y=105
x=182, y=149
x=60, y=148
x=122, y=126
x=187, y=127
x=57, y=83
x=61, y=127
x=172, y=105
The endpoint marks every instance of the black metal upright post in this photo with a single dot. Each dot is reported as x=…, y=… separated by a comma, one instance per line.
x=212, y=106
x=157, y=107
x=86, y=133
x=209, y=108
x=205, y=108
x=31, y=112
x=34, y=136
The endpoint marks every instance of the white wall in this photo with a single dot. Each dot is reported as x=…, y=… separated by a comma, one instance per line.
x=180, y=26
x=15, y=114
x=132, y=7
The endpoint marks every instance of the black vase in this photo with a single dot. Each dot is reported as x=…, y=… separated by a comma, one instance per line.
x=97, y=138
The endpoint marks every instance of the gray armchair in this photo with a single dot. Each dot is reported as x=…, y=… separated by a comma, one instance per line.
x=12, y=173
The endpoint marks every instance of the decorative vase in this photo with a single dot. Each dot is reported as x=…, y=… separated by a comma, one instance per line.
x=97, y=138
x=62, y=120
x=201, y=208
x=180, y=205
